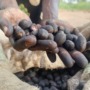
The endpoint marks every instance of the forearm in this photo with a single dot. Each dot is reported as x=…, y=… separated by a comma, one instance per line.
x=8, y=3
x=50, y=9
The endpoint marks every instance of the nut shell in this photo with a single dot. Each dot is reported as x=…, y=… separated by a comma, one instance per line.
x=65, y=57
x=79, y=58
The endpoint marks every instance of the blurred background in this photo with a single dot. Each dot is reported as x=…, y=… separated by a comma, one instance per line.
x=75, y=5
x=76, y=12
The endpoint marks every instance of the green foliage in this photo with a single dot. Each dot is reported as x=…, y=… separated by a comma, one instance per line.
x=24, y=9
x=84, y=6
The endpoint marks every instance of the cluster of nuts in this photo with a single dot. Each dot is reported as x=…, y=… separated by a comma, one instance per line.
x=48, y=79
x=53, y=39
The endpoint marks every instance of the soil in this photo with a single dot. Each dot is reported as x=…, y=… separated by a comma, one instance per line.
x=75, y=18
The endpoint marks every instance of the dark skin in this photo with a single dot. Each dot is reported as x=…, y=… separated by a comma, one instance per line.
x=10, y=14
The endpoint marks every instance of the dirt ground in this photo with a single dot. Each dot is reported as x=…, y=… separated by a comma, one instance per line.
x=75, y=18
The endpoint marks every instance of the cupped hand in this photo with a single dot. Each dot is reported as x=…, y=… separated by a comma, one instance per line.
x=9, y=19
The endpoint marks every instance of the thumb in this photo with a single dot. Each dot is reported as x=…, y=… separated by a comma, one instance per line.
x=6, y=27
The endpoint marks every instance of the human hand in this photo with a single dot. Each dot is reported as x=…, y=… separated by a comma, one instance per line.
x=9, y=18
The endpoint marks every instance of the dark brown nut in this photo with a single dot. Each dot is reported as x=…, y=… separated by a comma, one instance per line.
x=38, y=26
x=80, y=43
x=79, y=58
x=69, y=45
x=6, y=27
x=39, y=48
x=18, y=32
x=75, y=31
x=42, y=83
x=61, y=28
x=27, y=32
x=25, y=24
x=35, y=80
x=88, y=45
x=65, y=57
x=69, y=37
x=34, y=33
x=66, y=31
x=56, y=50
x=51, y=56
x=43, y=45
x=49, y=44
x=60, y=38
x=53, y=88
x=75, y=37
x=45, y=80
x=49, y=28
x=55, y=27
x=51, y=36
x=46, y=88
x=34, y=29
x=25, y=42
x=48, y=22
x=53, y=83
x=42, y=34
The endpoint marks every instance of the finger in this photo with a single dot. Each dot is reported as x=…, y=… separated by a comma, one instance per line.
x=86, y=32
x=25, y=42
x=18, y=32
x=6, y=27
x=12, y=41
x=79, y=58
x=65, y=57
